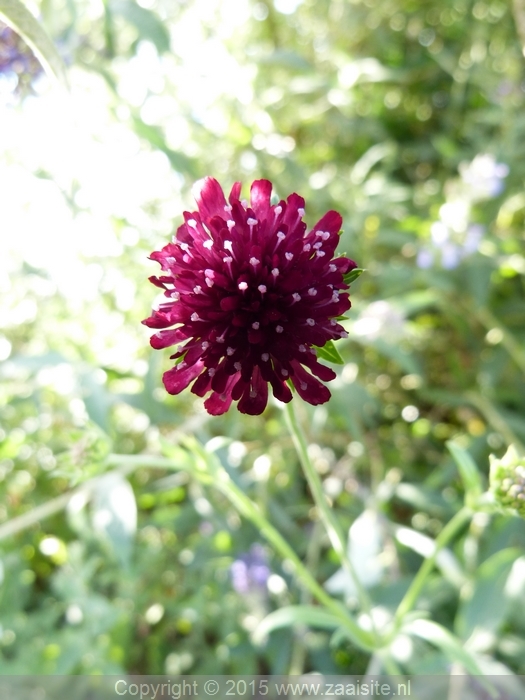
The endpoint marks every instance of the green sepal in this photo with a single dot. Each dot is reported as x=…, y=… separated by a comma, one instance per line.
x=352, y=275
x=329, y=353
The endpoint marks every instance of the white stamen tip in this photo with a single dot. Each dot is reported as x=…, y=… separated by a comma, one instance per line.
x=278, y=210
x=229, y=351
x=310, y=321
x=332, y=268
x=251, y=222
x=175, y=295
x=205, y=345
x=171, y=260
x=279, y=329
x=228, y=246
x=275, y=272
x=288, y=256
x=343, y=334
x=307, y=247
x=312, y=291
x=230, y=224
x=284, y=372
x=243, y=286
x=320, y=253
x=296, y=297
x=211, y=371
x=197, y=289
x=333, y=322
x=300, y=211
x=228, y=259
x=255, y=325
x=185, y=247
x=254, y=261
x=195, y=316
x=318, y=245
x=302, y=348
x=237, y=366
x=186, y=258
x=265, y=357
x=335, y=296
x=192, y=223
x=228, y=207
x=280, y=235
x=209, y=282
x=208, y=244
x=262, y=288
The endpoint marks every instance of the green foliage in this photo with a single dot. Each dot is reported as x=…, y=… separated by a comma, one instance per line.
x=117, y=528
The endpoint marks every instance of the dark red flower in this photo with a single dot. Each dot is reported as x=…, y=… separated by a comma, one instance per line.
x=250, y=294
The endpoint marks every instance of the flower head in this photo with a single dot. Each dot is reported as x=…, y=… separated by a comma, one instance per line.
x=17, y=61
x=250, y=572
x=507, y=481
x=250, y=295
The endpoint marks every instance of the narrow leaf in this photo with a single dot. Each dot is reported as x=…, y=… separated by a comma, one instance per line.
x=308, y=615
x=329, y=353
x=19, y=18
x=352, y=275
x=450, y=645
x=468, y=471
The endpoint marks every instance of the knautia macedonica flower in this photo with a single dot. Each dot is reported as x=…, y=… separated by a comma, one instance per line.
x=251, y=294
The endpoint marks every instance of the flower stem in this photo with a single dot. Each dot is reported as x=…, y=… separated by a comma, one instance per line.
x=245, y=506
x=326, y=513
x=447, y=533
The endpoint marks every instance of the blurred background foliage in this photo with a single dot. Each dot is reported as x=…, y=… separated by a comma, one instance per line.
x=408, y=118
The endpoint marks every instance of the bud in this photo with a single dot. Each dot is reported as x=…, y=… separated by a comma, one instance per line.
x=507, y=481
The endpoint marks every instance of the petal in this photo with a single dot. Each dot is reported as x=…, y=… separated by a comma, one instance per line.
x=235, y=192
x=309, y=388
x=210, y=198
x=177, y=379
x=255, y=396
x=331, y=222
x=322, y=371
x=164, y=339
x=260, y=193
x=217, y=404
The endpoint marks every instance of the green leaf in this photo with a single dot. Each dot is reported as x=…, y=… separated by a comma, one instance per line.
x=329, y=353
x=353, y=275
x=478, y=612
x=114, y=514
x=146, y=22
x=450, y=645
x=308, y=615
x=19, y=18
x=468, y=471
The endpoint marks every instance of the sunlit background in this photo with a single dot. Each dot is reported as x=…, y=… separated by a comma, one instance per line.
x=406, y=117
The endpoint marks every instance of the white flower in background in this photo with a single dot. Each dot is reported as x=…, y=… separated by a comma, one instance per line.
x=365, y=546
x=380, y=320
x=484, y=176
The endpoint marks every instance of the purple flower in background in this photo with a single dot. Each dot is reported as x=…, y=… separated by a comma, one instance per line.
x=484, y=176
x=250, y=572
x=18, y=64
x=448, y=247
x=250, y=294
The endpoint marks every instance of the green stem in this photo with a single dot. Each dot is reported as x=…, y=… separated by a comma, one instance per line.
x=447, y=533
x=245, y=506
x=325, y=511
